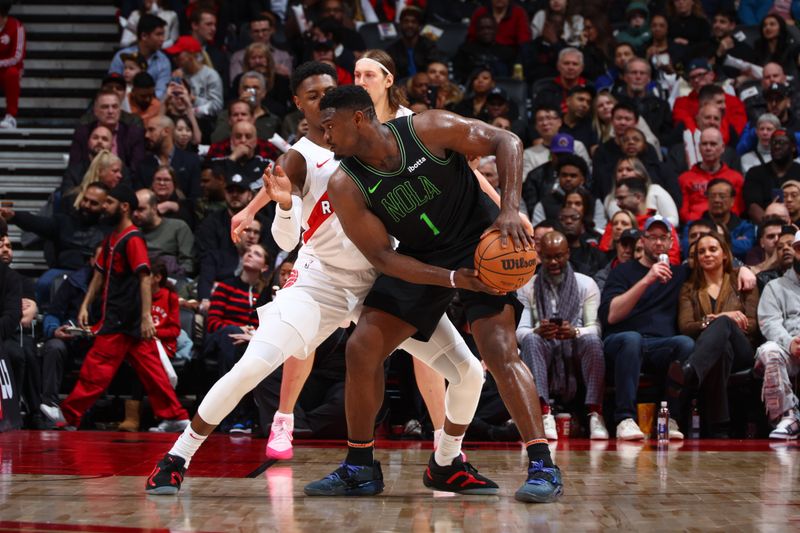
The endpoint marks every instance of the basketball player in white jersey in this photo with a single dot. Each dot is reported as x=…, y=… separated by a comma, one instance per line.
x=332, y=280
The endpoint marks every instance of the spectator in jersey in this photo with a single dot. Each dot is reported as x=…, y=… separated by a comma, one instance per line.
x=12, y=52
x=252, y=91
x=558, y=292
x=161, y=150
x=763, y=182
x=412, y=51
x=127, y=140
x=168, y=239
x=150, y=37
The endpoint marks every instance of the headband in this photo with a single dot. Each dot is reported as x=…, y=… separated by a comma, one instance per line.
x=382, y=67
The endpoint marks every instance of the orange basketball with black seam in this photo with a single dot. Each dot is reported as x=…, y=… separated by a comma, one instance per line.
x=502, y=267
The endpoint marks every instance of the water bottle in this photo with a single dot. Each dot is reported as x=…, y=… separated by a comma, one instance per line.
x=663, y=258
x=695, y=434
x=663, y=423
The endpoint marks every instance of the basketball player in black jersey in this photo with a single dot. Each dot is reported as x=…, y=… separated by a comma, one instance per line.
x=410, y=179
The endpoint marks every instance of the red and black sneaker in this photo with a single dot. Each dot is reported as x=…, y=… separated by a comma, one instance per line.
x=167, y=476
x=459, y=476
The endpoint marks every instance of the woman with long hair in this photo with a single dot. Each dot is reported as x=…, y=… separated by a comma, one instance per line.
x=596, y=44
x=106, y=168
x=657, y=197
x=480, y=84
x=376, y=72
x=172, y=203
x=582, y=201
x=619, y=222
x=723, y=322
x=775, y=44
x=566, y=10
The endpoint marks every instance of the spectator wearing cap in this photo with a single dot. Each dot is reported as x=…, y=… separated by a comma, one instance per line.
x=752, y=93
x=150, y=37
x=763, y=182
x=622, y=251
x=685, y=109
x=12, y=53
x=638, y=311
x=778, y=97
x=765, y=127
x=570, y=70
x=639, y=92
x=578, y=118
x=412, y=51
x=205, y=82
x=498, y=104
x=483, y=51
x=162, y=151
x=512, y=23
x=693, y=182
x=636, y=31
x=203, y=22
x=142, y=98
x=168, y=239
x=548, y=123
x=127, y=140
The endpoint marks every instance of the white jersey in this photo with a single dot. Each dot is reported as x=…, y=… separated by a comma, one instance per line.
x=323, y=236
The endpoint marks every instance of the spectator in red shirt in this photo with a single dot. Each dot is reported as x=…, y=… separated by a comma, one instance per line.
x=512, y=23
x=694, y=181
x=685, y=109
x=12, y=52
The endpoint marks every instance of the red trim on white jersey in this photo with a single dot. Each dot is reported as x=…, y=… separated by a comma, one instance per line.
x=321, y=212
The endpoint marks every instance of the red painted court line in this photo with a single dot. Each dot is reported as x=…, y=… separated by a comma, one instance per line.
x=44, y=526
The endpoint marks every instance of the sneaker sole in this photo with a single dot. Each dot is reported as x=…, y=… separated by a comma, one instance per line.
x=162, y=491
x=527, y=497
x=371, y=488
x=280, y=456
x=780, y=436
x=469, y=492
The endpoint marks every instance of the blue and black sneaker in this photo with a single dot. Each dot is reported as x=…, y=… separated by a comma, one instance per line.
x=349, y=480
x=458, y=476
x=543, y=485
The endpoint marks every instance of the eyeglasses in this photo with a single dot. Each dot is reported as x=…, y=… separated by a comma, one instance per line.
x=658, y=238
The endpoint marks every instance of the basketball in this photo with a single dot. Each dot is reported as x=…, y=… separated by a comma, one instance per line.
x=502, y=267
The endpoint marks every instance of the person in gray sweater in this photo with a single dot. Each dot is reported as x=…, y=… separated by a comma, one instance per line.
x=168, y=239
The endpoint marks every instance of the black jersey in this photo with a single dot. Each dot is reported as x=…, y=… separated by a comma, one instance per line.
x=433, y=206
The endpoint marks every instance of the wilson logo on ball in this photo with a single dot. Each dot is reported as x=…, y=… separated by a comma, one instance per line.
x=515, y=264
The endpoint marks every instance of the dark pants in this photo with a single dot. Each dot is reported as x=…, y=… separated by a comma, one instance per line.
x=719, y=350
x=627, y=352
x=55, y=356
x=22, y=352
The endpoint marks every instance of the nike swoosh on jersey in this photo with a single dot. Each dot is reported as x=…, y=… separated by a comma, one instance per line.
x=375, y=187
x=320, y=165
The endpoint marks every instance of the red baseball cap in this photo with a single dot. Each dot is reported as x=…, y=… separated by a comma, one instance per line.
x=185, y=43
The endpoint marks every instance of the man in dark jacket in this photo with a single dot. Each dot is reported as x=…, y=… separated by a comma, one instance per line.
x=412, y=52
x=161, y=150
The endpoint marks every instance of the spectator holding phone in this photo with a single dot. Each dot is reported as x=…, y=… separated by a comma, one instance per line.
x=559, y=330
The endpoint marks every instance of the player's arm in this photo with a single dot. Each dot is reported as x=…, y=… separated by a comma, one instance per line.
x=370, y=236
x=443, y=130
x=284, y=184
x=487, y=188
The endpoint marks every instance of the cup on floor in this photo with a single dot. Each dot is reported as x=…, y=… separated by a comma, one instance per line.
x=647, y=414
x=563, y=425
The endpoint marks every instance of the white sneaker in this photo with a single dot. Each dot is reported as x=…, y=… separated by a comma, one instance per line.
x=788, y=428
x=53, y=414
x=549, y=422
x=170, y=426
x=8, y=123
x=279, y=445
x=597, y=427
x=674, y=432
x=628, y=429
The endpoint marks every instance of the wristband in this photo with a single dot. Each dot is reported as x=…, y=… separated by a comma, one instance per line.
x=453, y=278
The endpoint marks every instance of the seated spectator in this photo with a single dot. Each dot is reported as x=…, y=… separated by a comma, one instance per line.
x=127, y=140
x=99, y=139
x=764, y=251
x=572, y=23
x=252, y=91
x=168, y=239
x=693, y=182
x=752, y=94
x=142, y=99
x=203, y=22
x=619, y=222
x=150, y=37
x=699, y=74
x=153, y=7
x=479, y=87
x=512, y=23
x=638, y=309
x=117, y=84
x=590, y=209
x=232, y=313
x=623, y=250
x=412, y=52
x=635, y=146
x=13, y=39
x=558, y=331
x=584, y=255
x=636, y=31
x=782, y=260
x=765, y=127
x=271, y=91
x=687, y=22
x=187, y=133
x=262, y=29
x=570, y=68
x=179, y=102
x=577, y=121
x=244, y=154
x=721, y=196
x=172, y=203
x=481, y=51
x=133, y=65
x=75, y=235
x=224, y=264
x=499, y=104
x=778, y=209
x=664, y=54
x=734, y=56
x=722, y=320
x=775, y=43
x=790, y=192
x=637, y=91
x=684, y=155
x=161, y=150
x=779, y=103
x=621, y=54
x=212, y=185
x=443, y=94
x=548, y=123
x=205, y=82
x=571, y=171
x=763, y=182
x=106, y=168
x=540, y=57
x=631, y=195
x=602, y=109
x=776, y=359
x=597, y=40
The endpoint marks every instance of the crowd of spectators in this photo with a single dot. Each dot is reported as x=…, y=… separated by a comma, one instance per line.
x=660, y=172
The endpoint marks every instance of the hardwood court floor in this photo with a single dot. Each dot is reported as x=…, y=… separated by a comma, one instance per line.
x=93, y=481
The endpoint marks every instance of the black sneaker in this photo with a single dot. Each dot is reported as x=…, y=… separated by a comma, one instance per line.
x=167, y=476
x=349, y=480
x=459, y=476
x=544, y=484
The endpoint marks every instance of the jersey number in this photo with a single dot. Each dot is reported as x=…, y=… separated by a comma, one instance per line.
x=423, y=217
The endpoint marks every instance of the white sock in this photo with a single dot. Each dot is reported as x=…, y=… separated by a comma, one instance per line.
x=437, y=436
x=187, y=444
x=449, y=448
x=288, y=419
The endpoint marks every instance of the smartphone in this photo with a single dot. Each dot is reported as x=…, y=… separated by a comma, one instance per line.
x=176, y=79
x=557, y=320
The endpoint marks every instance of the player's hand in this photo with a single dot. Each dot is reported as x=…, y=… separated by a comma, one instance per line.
x=467, y=278
x=239, y=223
x=278, y=186
x=658, y=272
x=511, y=225
x=148, y=329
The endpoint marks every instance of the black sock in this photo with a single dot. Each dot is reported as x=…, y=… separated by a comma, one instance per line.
x=540, y=452
x=359, y=452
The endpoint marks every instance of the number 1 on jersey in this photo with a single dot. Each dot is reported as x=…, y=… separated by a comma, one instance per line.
x=423, y=217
